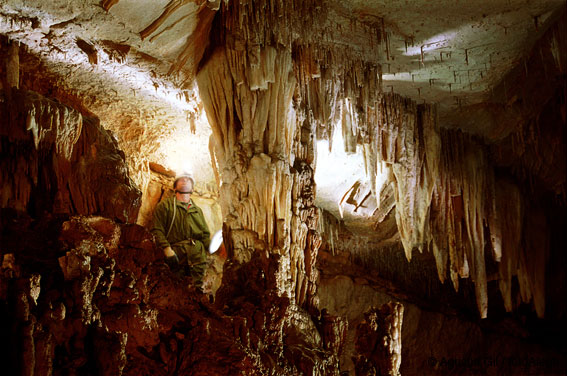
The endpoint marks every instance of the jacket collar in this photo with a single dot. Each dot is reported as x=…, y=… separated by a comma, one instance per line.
x=180, y=204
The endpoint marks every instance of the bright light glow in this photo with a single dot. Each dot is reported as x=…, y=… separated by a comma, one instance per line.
x=401, y=76
x=116, y=76
x=337, y=169
x=181, y=150
x=436, y=42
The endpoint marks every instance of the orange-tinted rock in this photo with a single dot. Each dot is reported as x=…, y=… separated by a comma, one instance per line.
x=58, y=161
x=379, y=341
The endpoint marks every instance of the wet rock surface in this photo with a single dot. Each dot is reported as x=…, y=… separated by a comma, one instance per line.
x=85, y=294
x=58, y=161
x=106, y=303
x=437, y=338
x=469, y=222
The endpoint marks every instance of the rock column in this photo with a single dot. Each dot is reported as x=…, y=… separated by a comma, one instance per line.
x=266, y=192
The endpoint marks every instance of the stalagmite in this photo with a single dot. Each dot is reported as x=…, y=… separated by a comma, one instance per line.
x=379, y=341
x=533, y=258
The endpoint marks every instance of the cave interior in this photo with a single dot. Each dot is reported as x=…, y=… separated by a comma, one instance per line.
x=389, y=177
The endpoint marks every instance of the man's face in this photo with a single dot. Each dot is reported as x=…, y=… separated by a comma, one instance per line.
x=184, y=185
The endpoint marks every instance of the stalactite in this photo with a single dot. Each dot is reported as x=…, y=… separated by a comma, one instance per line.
x=116, y=51
x=47, y=125
x=337, y=85
x=466, y=193
x=443, y=183
x=256, y=134
x=268, y=90
x=195, y=45
x=169, y=9
x=266, y=98
x=407, y=139
x=88, y=49
x=328, y=227
x=268, y=22
x=349, y=121
x=445, y=195
x=107, y=4
x=264, y=148
x=533, y=258
x=51, y=124
x=506, y=223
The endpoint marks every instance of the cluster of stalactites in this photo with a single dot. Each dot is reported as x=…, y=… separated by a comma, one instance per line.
x=473, y=210
x=447, y=200
x=263, y=23
x=333, y=82
x=50, y=126
x=248, y=109
x=265, y=96
x=265, y=157
x=335, y=87
x=463, y=201
x=264, y=104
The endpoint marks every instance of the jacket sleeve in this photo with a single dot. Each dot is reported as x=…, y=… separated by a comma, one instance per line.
x=159, y=225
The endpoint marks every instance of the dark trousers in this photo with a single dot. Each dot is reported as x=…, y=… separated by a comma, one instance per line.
x=192, y=260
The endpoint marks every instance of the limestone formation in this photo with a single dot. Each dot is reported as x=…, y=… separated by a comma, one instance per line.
x=61, y=162
x=353, y=153
x=92, y=293
x=379, y=341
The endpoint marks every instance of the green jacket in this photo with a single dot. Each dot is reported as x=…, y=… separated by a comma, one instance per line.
x=189, y=224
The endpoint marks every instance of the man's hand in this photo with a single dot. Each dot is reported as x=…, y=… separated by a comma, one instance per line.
x=169, y=252
x=171, y=258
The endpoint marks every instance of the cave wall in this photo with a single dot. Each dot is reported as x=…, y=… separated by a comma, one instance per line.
x=60, y=162
x=439, y=337
x=459, y=196
x=87, y=292
x=435, y=343
x=90, y=294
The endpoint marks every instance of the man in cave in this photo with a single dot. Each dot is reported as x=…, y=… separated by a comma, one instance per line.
x=181, y=231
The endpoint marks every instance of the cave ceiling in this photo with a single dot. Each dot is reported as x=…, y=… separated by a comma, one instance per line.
x=133, y=63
